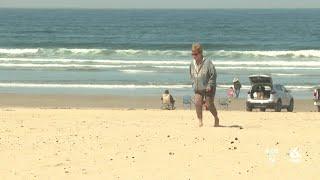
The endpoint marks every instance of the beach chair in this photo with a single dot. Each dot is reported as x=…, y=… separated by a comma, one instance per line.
x=224, y=102
x=166, y=106
x=186, y=101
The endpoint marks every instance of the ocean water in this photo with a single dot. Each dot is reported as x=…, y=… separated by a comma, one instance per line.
x=144, y=52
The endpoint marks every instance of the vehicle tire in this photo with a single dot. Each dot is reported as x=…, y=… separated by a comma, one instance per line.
x=318, y=108
x=249, y=108
x=291, y=106
x=263, y=109
x=278, y=106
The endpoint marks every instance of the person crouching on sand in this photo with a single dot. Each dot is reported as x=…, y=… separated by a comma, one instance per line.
x=203, y=76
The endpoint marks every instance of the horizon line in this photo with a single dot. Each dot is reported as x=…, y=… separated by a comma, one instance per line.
x=234, y=8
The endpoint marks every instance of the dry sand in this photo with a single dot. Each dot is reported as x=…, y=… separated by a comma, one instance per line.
x=126, y=144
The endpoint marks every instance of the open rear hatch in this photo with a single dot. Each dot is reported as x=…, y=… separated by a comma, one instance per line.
x=261, y=87
x=260, y=79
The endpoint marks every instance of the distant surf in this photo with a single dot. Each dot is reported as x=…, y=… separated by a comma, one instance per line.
x=65, y=52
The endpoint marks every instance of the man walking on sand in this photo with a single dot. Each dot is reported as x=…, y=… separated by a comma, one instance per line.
x=203, y=76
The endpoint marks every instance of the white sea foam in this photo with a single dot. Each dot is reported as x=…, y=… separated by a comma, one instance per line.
x=128, y=51
x=174, y=62
x=55, y=51
x=180, y=53
x=268, y=68
x=283, y=74
x=245, y=67
x=79, y=50
x=172, y=67
x=294, y=54
x=223, y=53
x=94, y=86
x=299, y=88
x=131, y=52
x=231, y=85
x=30, y=65
x=122, y=63
x=102, y=61
x=62, y=65
x=18, y=51
x=131, y=86
x=270, y=63
x=134, y=71
x=124, y=52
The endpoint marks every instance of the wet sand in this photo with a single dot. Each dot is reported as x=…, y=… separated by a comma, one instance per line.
x=117, y=102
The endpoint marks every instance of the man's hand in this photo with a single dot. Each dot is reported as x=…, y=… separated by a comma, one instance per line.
x=208, y=89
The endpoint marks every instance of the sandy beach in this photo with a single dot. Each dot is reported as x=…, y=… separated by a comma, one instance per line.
x=67, y=101
x=81, y=83
x=98, y=142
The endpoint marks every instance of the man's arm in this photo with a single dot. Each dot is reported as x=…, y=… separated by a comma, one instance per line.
x=190, y=73
x=212, y=77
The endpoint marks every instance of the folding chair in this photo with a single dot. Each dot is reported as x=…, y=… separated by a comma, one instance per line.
x=224, y=102
x=186, y=100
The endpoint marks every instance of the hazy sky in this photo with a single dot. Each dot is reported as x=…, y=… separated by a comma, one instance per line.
x=193, y=4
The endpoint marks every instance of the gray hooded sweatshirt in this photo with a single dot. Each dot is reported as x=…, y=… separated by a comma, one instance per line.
x=203, y=75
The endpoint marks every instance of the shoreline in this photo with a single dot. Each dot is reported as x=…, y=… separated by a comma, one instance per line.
x=67, y=101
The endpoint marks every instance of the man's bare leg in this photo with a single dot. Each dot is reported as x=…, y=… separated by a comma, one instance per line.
x=213, y=110
x=198, y=100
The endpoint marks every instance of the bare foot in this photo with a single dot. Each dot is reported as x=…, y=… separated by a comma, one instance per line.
x=200, y=124
x=216, y=122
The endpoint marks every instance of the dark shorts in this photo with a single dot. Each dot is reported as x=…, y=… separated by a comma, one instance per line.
x=201, y=97
x=206, y=94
